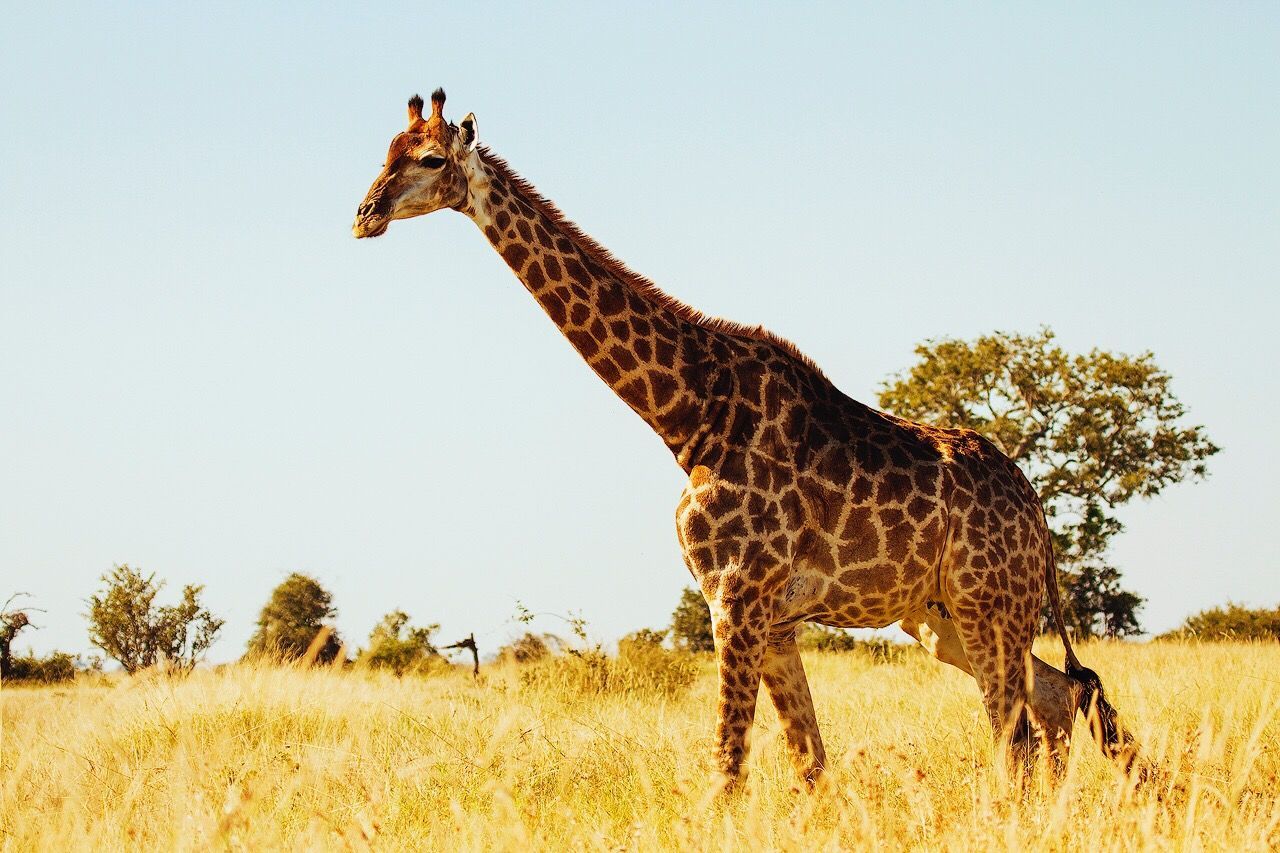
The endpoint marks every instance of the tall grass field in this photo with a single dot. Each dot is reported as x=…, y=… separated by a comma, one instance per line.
x=539, y=757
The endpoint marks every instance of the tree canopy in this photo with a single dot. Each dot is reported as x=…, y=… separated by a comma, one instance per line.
x=297, y=615
x=127, y=624
x=1092, y=431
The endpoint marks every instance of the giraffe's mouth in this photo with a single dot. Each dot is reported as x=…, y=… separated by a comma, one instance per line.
x=370, y=226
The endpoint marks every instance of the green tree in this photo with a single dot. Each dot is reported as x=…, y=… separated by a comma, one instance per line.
x=691, y=623
x=1231, y=622
x=396, y=646
x=1092, y=431
x=294, y=618
x=127, y=624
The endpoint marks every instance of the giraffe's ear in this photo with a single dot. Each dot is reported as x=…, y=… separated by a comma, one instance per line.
x=468, y=134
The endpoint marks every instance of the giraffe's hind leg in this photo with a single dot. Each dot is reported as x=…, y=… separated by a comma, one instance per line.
x=1054, y=699
x=1054, y=696
x=785, y=680
x=999, y=657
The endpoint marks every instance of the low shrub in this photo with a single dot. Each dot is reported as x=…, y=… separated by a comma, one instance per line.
x=821, y=638
x=528, y=648
x=403, y=649
x=639, y=667
x=57, y=667
x=1230, y=622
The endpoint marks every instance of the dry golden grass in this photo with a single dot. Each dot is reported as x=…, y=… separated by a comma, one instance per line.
x=265, y=758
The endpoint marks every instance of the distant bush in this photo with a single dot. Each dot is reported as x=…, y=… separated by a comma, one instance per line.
x=295, y=623
x=528, y=648
x=643, y=637
x=1231, y=622
x=58, y=666
x=395, y=646
x=641, y=666
x=820, y=638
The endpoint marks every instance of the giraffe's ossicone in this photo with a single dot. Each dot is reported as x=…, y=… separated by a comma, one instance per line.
x=801, y=503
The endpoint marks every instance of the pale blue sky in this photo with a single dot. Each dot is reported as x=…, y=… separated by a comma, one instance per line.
x=204, y=375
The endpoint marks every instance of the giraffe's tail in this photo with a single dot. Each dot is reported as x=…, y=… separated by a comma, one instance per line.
x=1104, y=723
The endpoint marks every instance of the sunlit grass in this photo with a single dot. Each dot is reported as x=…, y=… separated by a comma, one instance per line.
x=250, y=757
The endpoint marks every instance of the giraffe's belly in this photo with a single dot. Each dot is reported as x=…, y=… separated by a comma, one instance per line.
x=880, y=580
x=873, y=598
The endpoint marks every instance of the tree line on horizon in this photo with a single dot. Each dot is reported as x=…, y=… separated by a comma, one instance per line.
x=296, y=626
x=1091, y=431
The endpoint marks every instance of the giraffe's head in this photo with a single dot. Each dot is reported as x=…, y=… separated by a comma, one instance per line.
x=426, y=169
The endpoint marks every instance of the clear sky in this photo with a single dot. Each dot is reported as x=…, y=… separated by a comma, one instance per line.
x=204, y=375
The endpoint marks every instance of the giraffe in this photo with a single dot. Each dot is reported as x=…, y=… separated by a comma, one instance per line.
x=801, y=503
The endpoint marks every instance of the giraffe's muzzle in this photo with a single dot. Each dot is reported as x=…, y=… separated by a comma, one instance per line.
x=373, y=226
x=374, y=214
x=370, y=221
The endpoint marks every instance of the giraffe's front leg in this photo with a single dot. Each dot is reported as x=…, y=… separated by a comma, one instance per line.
x=736, y=559
x=740, y=650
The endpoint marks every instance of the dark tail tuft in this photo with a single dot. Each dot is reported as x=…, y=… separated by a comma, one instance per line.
x=1103, y=720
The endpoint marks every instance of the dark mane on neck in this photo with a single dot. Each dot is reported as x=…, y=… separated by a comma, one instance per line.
x=639, y=283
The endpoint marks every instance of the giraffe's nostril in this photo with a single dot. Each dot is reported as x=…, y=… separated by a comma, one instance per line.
x=370, y=206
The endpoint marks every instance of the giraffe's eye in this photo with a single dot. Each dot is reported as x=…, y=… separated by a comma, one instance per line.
x=432, y=162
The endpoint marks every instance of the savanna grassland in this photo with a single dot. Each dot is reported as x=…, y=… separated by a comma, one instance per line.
x=254, y=757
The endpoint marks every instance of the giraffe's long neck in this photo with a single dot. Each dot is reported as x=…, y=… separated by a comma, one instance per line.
x=653, y=355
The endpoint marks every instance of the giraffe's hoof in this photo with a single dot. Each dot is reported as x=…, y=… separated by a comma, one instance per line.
x=725, y=786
